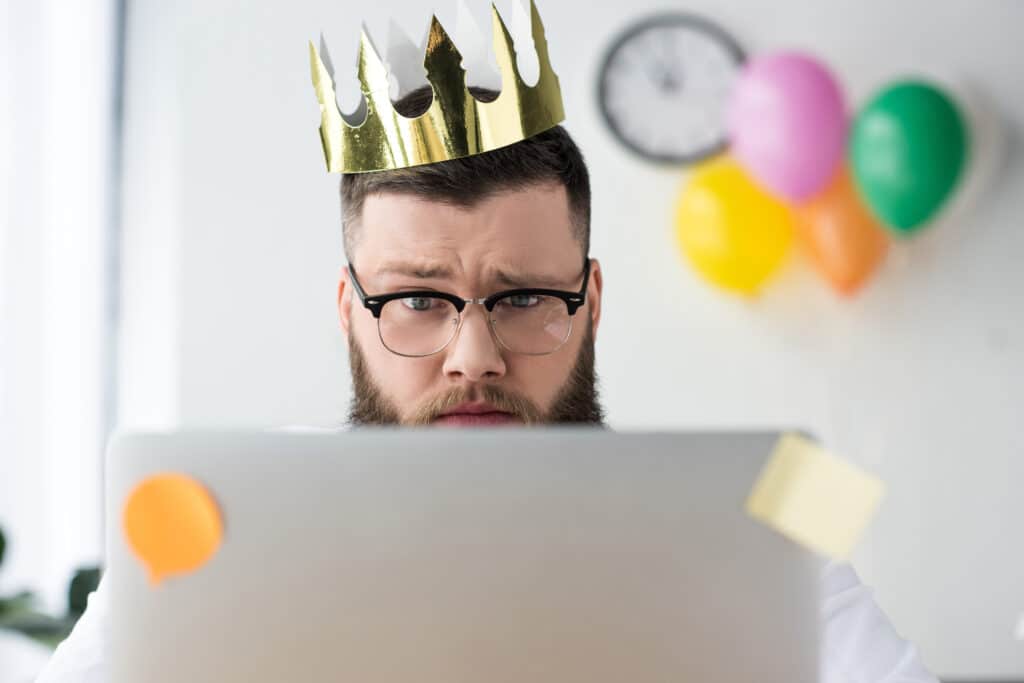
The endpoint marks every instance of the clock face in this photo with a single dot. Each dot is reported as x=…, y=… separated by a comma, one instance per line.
x=664, y=85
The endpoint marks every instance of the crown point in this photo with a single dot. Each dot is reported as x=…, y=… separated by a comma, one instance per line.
x=365, y=37
x=313, y=59
x=442, y=57
x=372, y=72
x=504, y=50
x=540, y=41
x=437, y=33
x=498, y=23
x=538, y=25
x=320, y=73
x=435, y=27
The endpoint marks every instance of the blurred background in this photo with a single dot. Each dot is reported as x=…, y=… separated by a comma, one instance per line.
x=170, y=247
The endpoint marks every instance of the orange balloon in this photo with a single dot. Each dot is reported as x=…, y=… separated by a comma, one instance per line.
x=844, y=241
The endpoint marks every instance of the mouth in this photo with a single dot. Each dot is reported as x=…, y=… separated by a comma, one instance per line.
x=475, y=415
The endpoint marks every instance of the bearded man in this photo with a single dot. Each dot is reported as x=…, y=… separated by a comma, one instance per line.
x=470, y=299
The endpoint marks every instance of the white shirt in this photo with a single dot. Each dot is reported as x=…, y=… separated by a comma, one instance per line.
x=859, y=645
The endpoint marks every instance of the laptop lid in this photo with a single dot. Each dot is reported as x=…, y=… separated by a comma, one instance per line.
x=393, y=556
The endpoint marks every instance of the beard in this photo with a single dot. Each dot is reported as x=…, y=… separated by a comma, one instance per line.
x=576, y=402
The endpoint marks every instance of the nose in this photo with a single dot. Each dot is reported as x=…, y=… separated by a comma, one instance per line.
x=474, y=354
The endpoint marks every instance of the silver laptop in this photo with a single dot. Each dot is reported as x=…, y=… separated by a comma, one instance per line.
x=482, y=556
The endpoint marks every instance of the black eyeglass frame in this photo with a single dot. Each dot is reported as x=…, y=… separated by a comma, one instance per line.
x=375, y=303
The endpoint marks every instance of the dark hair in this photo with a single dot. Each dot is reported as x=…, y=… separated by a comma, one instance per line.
x=550, y=156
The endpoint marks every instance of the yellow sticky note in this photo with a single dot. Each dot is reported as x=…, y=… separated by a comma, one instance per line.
x=814, y=498
x=172, y=524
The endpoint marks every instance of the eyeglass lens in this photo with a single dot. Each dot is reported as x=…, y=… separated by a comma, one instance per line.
x=523, y=323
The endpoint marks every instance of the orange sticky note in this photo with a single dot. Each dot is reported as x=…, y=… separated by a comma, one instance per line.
x=172, y=524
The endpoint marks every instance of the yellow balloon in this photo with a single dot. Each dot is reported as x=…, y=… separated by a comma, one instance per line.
x=734, y=233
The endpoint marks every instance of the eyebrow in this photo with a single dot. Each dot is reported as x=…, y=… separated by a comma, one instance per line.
x=441, y=272
x=419, y=271
x=518, y=281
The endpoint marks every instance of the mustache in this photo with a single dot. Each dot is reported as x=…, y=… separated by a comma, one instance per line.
x=577, y=401
x=502, y=399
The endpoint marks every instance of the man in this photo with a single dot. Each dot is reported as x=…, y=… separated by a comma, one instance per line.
x=470, y=299
x=513, y=218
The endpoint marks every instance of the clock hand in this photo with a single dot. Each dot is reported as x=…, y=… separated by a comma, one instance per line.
x=662, y=76
x=669, y=81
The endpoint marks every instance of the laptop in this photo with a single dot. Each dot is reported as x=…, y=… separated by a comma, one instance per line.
x=566, y=555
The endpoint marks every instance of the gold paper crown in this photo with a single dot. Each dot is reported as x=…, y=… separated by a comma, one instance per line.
x=456, y=125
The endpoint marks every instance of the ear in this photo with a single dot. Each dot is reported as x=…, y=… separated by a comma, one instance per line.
x=345, y=301
x=594, y=289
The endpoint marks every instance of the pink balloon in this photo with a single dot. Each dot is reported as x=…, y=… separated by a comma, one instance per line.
x=787, y=124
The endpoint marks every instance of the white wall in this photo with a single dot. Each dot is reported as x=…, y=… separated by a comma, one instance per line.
x=233, y=253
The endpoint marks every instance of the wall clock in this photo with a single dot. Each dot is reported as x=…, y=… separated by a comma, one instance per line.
x=664, y=84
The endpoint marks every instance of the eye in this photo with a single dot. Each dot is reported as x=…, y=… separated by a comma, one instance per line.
x=522, y=300
x=418, y=303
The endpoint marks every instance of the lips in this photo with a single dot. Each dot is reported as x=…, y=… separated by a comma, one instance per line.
x=475, y=415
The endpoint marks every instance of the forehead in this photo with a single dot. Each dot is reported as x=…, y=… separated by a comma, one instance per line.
x=527, y=226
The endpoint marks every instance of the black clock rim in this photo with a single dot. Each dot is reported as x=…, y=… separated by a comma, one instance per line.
x=662, y=19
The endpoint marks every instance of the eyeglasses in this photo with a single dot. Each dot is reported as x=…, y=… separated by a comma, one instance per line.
x=529, y=321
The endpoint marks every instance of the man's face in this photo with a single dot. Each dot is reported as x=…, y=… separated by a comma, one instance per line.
x=406, y=243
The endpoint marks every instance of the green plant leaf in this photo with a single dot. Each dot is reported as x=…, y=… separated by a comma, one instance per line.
x=85, y=581
x=41, y=627
x=16, y=604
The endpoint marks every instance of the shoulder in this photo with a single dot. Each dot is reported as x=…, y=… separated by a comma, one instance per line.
x=859, y=644
x=81, y=657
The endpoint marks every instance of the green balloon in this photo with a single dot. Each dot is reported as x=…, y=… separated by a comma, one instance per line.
x=908, y=149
